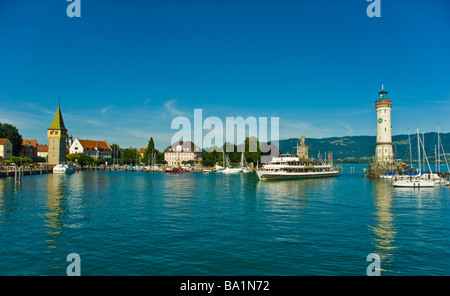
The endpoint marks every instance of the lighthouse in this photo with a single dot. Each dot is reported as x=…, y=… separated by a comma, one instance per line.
x=384, y=161
x=383, y=150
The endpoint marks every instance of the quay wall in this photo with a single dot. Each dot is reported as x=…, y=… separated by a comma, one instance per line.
x=26, y=172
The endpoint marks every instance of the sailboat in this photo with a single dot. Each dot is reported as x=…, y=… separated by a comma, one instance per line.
x=244, y=166
x=438, y=180
x=231, y=170
x=414, y=180
x=228, y=168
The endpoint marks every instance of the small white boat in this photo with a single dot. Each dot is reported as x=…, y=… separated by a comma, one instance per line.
x=218, y=169
x=230, y=170
x=413, y=182
x=417, y=180
x=206, y=171
x=64, y=168
x=246, y=169
x=244, y=166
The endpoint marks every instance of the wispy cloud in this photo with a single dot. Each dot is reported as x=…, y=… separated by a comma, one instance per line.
x=22, y=120
x=348, y=129
x=104, y=110
x=170, y=108
x=296, y=129
x=40, y=108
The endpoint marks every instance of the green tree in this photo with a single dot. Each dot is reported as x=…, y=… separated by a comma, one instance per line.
x=20, y=160
x=130, y=156
x=209, y=158
x=146, y=158
x=252, y=156
x=116, y=153
x=107, y=160
x=10, y=132
x=159, y=156
x=80, y=158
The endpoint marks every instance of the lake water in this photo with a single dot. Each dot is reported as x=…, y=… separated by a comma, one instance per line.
x=138, y=223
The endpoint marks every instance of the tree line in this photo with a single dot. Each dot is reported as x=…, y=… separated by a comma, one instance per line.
x=131, y=155
x=151, y=155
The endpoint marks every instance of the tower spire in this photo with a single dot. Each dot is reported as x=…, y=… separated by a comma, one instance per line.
x=58, y=122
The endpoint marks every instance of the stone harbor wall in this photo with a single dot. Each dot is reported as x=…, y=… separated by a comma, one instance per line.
x=379, y=168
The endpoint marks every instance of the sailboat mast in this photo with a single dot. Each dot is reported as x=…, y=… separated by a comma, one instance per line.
x=443, y=152
x=435, y=158
x=439, y=152
x=418, y=150
x=423, y=147
x=410, y=150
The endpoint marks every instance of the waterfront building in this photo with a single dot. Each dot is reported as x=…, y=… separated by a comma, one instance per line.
x=5, y=149
x=57, y=137
x=181, y=151
x=29, y=148
x=95, y=149
x=42, y=150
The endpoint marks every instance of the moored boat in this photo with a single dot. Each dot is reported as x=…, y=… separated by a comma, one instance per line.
x=231, y=170
x=175, y=170
x=415, y=180
x=288, y=167
x=412, y=182
x=64, y=168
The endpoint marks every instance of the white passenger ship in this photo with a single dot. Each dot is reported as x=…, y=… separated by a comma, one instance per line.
x=289, y=166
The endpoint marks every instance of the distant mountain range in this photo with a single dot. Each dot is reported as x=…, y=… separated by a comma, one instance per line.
x=362, y=148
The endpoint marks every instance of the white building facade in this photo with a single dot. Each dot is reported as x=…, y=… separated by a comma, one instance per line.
x=181, y=151
x=5, y=149
x=95, y=149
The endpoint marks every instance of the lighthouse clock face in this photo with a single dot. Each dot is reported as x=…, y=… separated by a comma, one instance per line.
x=380, y=120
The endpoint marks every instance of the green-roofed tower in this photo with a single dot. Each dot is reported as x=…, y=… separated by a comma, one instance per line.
x=58, y=122
x=57, y=137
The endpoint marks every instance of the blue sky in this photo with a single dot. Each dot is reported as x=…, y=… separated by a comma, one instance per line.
x=126, y=69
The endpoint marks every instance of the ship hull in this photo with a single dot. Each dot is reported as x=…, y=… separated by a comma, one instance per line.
x=267, y=175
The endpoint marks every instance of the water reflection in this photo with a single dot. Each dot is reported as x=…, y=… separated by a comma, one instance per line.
x=55, y=203
x=383, y=228
x=281, y=193
x=64, y=202
x=2, y=201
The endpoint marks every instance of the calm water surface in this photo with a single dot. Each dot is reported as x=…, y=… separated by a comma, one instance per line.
x=137, y=223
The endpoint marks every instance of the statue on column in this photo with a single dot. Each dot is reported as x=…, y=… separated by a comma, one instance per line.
x=302, y=149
